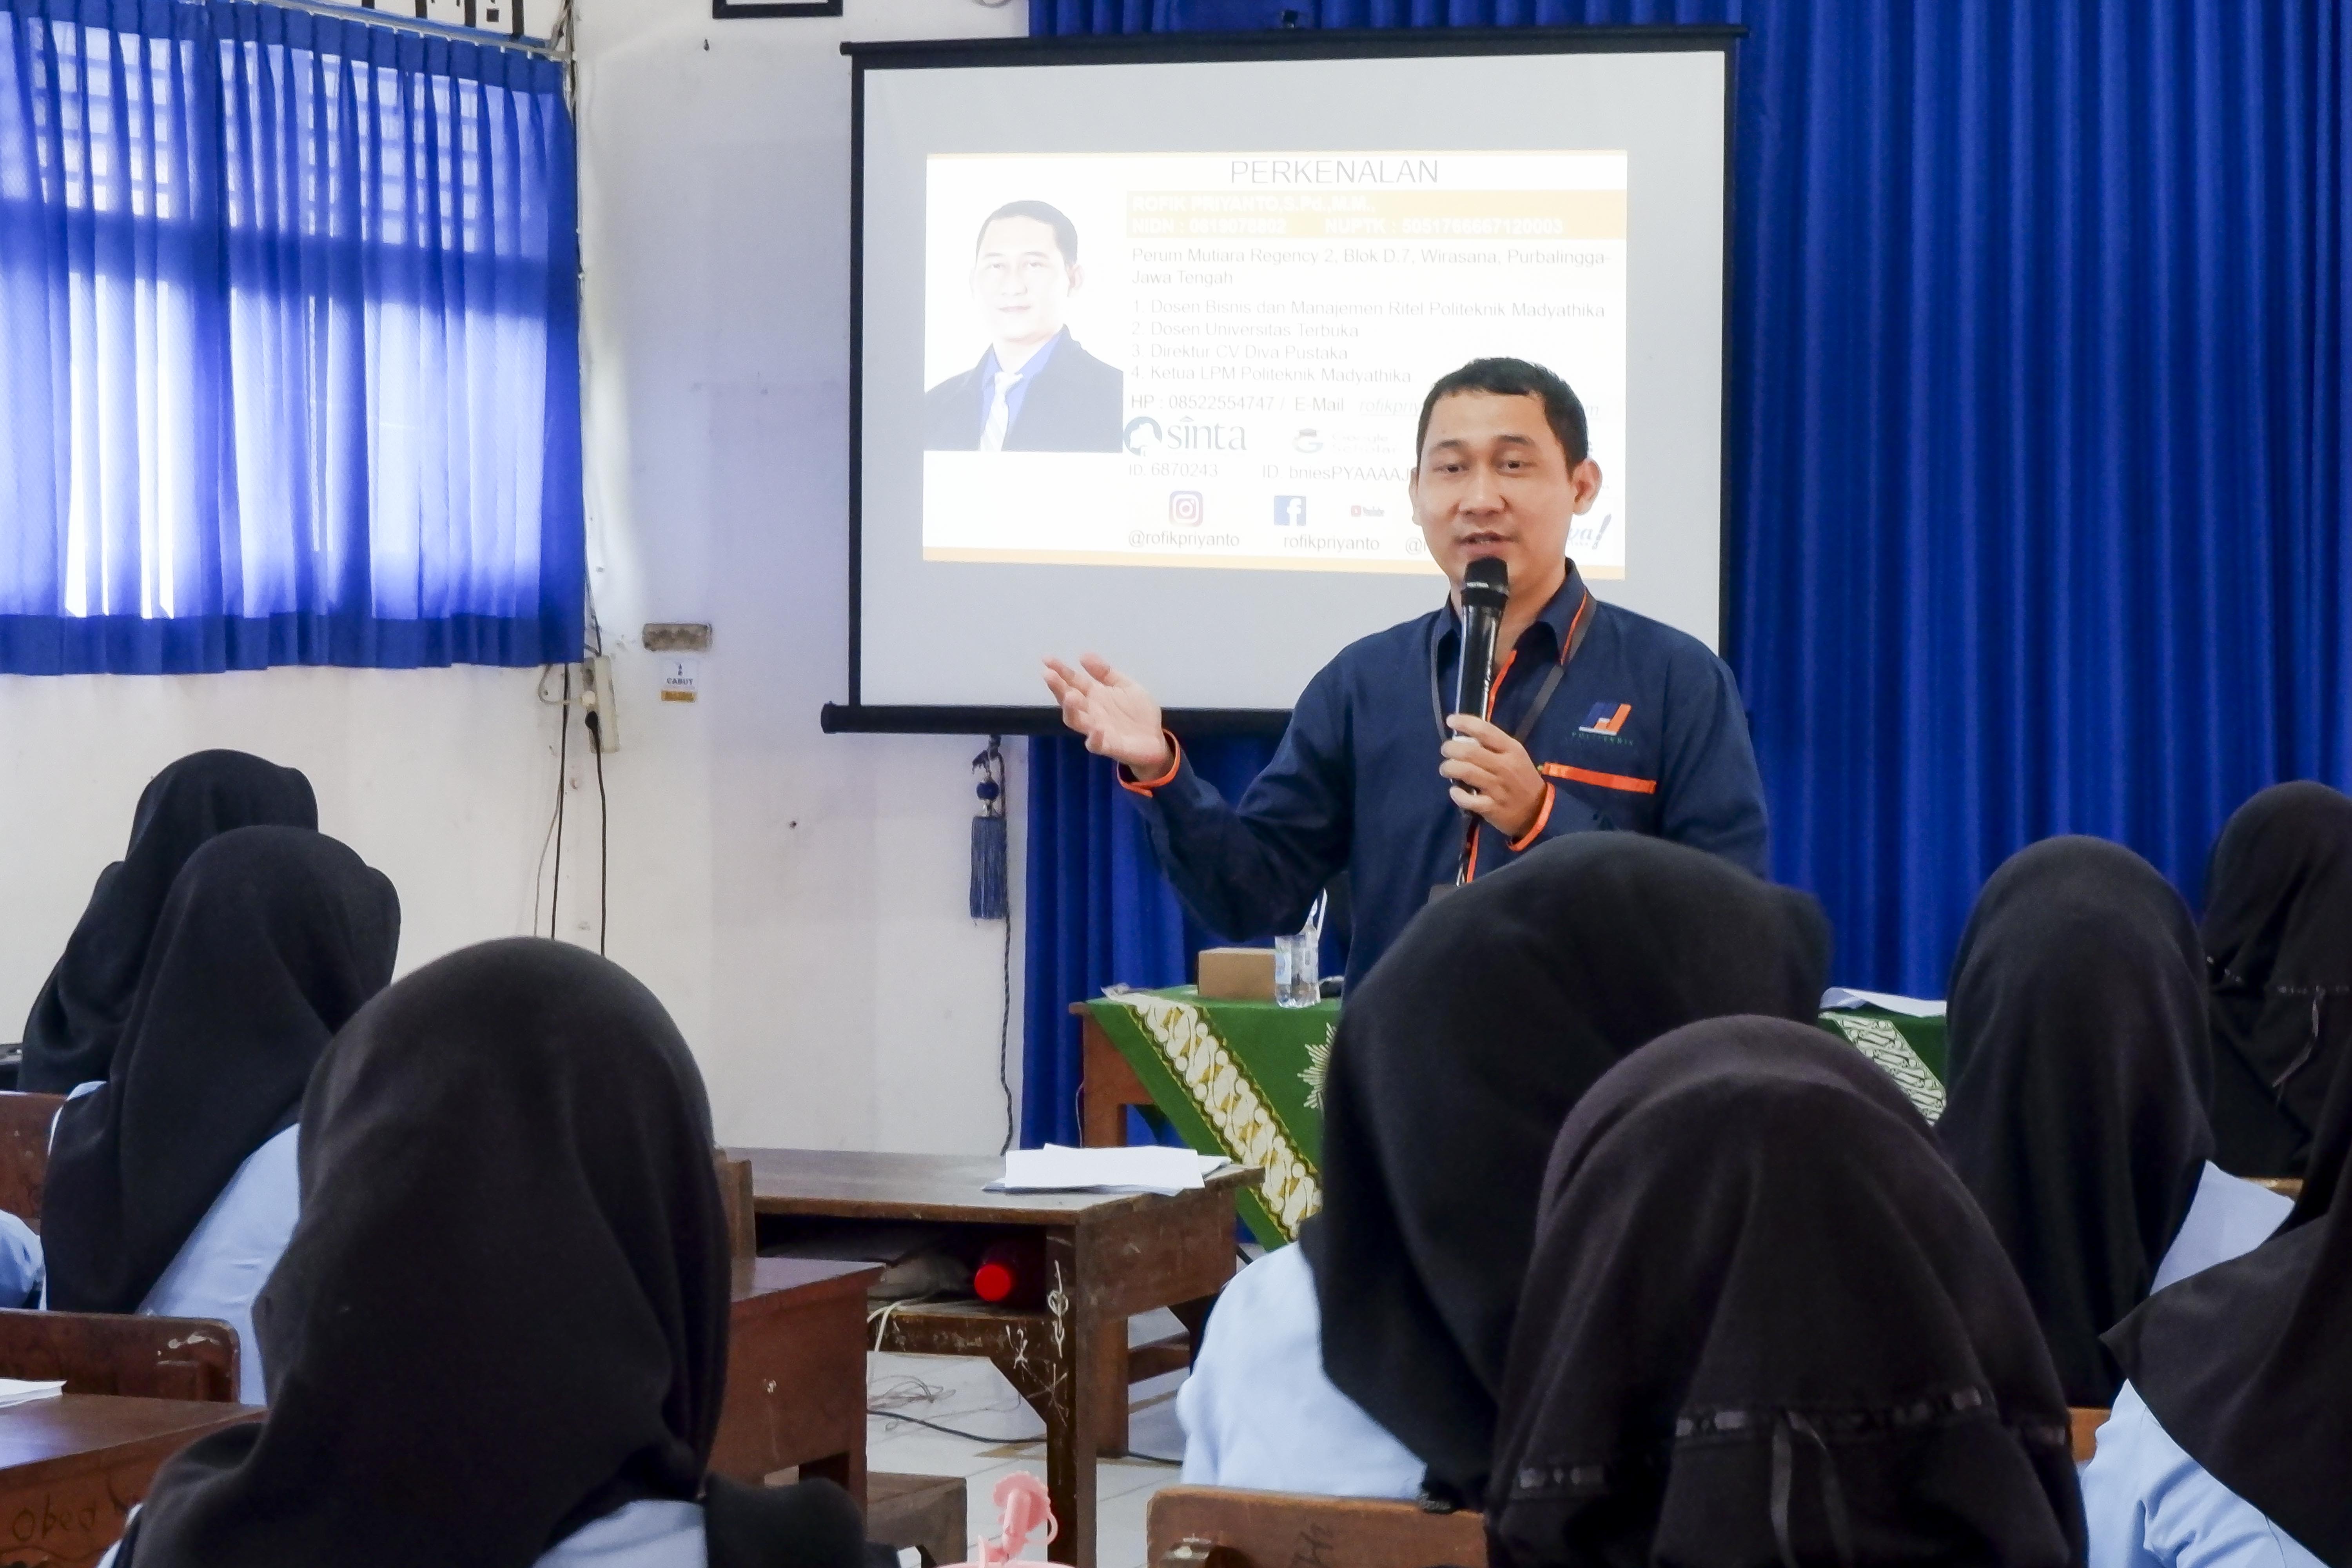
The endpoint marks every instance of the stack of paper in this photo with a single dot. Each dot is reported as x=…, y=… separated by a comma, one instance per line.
x=1146, y=1169
x=1838, y=998
x=16, y=1391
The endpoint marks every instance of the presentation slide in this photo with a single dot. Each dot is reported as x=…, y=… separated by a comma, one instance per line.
x=1143, y=329
x=1234, y=346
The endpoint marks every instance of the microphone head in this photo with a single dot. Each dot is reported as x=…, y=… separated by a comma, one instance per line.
x=1485, y=584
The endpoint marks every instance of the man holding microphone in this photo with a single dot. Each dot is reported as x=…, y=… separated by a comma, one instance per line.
x=1599, y=718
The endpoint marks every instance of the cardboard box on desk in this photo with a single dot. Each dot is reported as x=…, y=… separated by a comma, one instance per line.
x=1236, y=974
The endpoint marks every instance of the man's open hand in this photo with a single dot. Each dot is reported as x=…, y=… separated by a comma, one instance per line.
x=1484, y=758
x=1119, y=718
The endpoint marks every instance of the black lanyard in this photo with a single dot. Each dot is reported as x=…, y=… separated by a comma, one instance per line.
x=1578, y=626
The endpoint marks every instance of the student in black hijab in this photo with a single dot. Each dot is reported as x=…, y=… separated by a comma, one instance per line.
x=499, y=1335
x=2079, y=1073
x=2278, y=943
x=171, y=1187
x=1765, y=1323
x=1454, y=1063
x=70, y=1035
x=2231, y=1443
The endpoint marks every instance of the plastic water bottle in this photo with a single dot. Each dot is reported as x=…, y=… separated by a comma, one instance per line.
x=1297, y=961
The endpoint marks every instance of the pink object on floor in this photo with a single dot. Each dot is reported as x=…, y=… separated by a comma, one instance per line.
x=1023, y=1509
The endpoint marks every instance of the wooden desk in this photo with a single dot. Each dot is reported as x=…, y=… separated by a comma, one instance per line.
x=1211, y=1527
x=796, y=1373
x=72, y=1467
x=1109, y=1258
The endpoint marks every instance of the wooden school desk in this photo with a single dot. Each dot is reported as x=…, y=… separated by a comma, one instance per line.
x=71, y=1466
x=795, y=1372
x=1107, y=1258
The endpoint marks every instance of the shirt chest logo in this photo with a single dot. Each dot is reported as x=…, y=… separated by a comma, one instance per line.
x=1607, y=718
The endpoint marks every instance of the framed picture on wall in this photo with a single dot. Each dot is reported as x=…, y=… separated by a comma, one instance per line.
x=726, y=9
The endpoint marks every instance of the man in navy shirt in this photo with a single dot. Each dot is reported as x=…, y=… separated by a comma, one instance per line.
x=1601, y=719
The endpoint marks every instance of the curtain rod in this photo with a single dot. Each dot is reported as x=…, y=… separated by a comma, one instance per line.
x=549, y=49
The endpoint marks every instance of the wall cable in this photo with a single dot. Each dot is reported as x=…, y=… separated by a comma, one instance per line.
x=539, y=872
x=563, y=767
x=603, y=827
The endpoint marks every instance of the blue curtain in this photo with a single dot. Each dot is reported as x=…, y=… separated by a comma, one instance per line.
x=2041, y=409
x=288, y=345
x=1096, y=911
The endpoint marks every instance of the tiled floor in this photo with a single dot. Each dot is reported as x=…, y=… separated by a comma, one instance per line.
x=973, y=1398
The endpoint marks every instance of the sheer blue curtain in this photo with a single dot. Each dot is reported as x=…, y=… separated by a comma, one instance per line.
x=2041, y=409
x=289, y=348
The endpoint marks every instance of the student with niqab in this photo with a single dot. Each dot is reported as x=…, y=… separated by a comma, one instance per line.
x=1368, y=1360
x=2080, y=1069
x=70, y=1038
x=1766, y=1324
x=2278, y=944
x=498, y=1338
x=2231, y=1444
x=171, y=1186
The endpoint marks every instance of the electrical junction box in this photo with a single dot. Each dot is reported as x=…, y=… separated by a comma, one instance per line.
x=677, y=636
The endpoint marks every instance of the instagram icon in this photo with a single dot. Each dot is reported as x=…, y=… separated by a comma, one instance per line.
x=1184, y=507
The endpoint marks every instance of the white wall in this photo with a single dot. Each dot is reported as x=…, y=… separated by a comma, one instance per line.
x=797, y=900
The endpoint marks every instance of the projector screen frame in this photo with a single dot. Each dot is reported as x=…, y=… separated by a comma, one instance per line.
x=855, y=716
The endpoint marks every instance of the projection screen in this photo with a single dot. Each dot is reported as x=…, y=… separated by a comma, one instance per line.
x=1141, y=331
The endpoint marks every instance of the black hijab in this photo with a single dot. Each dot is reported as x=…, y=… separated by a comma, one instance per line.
x=1455, y=1064
x=272, y=938
x=1765, y=1323
x=2278, y=940
x=70, y=1038
x=503, y=1313
x=2246, y=1364
x=2079, y=1072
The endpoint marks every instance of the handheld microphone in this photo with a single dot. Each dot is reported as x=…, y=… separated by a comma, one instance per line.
x=1485, y=590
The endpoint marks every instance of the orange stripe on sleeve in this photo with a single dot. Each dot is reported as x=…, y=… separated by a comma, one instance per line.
x=1606, y=781
x=1145, y=786
x=1541, y=818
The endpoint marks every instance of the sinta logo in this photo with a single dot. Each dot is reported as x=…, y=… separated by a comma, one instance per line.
x=1145, y=435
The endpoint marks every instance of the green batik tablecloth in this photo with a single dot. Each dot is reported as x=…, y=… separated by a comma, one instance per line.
x=1910, y=1048
x=1245, y=1079
x=1240, y=1079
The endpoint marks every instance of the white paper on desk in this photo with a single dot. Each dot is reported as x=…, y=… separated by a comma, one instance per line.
x=1839, y=998
x=1148, y=1168
x=17, y=1390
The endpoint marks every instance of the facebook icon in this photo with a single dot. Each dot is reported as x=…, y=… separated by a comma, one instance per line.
x=1290, y=512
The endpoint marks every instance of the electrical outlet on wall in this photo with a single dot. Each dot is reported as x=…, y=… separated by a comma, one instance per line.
x=596, y=696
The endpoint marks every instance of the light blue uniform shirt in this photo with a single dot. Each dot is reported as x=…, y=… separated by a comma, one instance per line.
x=2229, y=1217
x=1259, y=1412
x=24, y=1272
x=652, y=1533
x=648, y=1534
x=2149, y=1505
x=226, y=1259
